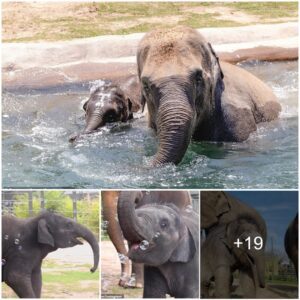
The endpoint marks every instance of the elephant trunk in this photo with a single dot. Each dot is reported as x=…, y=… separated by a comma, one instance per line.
x=95, y=121
x=174, y=125
x=86, y=234
x=130, y=223
x=259, y=267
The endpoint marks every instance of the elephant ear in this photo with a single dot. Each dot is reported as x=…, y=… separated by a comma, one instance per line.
x=218, y=75
x=85, y=105
x=44, y=236
x=222, y=204
x=188, y=244
x=217, y=71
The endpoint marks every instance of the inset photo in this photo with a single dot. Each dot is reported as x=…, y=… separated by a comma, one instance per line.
x=150, y=240
x=249, y=244
x=50, y=244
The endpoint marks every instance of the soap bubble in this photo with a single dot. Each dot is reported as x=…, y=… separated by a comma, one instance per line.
x=189, y=209
x=20, y=247
x=3, y=261
x=6, y=237
x=123, y=258
x=156, y=235
x=144, y=245
x=131, y=281
x=105, y=224
x=17, y=241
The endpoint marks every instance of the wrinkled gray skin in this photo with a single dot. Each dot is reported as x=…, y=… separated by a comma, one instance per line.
x=190, y=95
x=106, y=104
x=291, y=242
x=225, y=219
x=26, y=242
x=220, y=258
x=109, y=207
x=171, y=261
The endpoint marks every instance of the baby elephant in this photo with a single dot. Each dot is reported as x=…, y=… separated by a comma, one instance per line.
x=106, y=104
x=166, y=240
x=26, y=242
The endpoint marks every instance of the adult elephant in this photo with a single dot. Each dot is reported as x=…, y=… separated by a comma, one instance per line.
x=190, y=95
x=225, y=220
x=26, y=242
x=109, y=207
x=221, y=256
x=218, y=207
x=291, y=242
x=165, y=238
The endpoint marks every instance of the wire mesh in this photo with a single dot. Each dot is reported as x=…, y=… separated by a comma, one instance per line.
x=81, y=206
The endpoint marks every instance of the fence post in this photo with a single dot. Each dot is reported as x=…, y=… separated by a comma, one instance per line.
x=30, y=208
x=74, y=206
x=42, y=198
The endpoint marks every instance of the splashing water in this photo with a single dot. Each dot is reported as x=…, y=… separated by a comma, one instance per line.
x=36, y=128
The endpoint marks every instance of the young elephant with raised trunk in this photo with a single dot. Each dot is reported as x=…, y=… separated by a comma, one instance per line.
x=165, y=239
x=26, y=242
x=106, y=104
x=190, y=95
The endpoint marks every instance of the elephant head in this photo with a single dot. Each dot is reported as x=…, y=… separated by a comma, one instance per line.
x=56, y=231
x=218, y=207
x=106, y=104
x=181, y=82
x=250, y=254
x=157, y=233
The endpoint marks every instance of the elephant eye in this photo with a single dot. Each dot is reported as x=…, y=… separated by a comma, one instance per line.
x=146, y=87
x=164, y=224
x=198, y=77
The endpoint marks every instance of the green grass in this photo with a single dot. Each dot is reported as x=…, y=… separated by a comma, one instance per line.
x=70, y=277
x=206, y=20
x=267, y=10
x=125, y=18
x=61, y=278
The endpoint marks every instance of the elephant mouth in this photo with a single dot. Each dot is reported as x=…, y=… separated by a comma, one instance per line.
x=77, y=241
x=142, y=246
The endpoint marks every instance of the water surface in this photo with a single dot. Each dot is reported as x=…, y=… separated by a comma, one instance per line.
x=36, y=152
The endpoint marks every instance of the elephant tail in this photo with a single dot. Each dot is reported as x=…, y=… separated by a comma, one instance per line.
x=250, y=255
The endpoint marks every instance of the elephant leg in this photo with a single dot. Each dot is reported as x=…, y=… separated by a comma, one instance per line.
x=138, y=270
x=21, y=284
x=247, y=284
x=206, y=277
x=222, y=282
x=36, y=280
x=155, y=285
x=109, y=204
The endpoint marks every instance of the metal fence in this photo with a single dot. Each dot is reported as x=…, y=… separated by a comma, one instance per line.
x=81, y=206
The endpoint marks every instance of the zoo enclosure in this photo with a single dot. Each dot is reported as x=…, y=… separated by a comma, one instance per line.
x=83, y=207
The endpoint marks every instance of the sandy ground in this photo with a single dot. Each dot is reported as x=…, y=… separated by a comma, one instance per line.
x=110, y=273
x=32, y=18
x=82, y=254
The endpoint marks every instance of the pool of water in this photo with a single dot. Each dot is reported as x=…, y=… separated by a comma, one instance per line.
x=36, y=151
